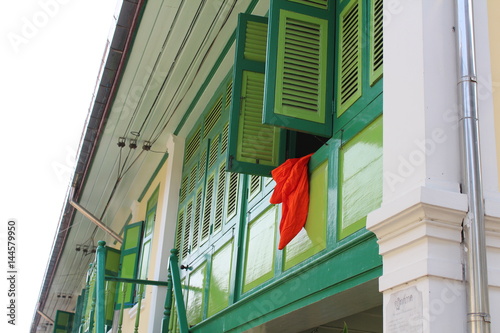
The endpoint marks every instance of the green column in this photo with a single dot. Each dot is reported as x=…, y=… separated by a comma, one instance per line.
x=179, y=300
x=168, y=305
x=100, y=287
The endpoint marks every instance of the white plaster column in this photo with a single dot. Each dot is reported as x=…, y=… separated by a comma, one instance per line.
x=168, y=220
x=419, y=223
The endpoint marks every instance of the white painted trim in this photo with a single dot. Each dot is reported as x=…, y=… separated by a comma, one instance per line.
x=167, y=219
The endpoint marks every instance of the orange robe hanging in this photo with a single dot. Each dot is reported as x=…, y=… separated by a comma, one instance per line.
x=292, y=189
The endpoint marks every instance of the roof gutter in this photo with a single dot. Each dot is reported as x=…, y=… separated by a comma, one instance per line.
x=476, y=271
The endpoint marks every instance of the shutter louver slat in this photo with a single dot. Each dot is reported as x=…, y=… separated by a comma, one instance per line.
x=219, y=201
x=229, y=92
x=224, y=139
x=213, y=153
x=255, y=137
x=255, y=43
x=212, y=117
x=232, y=195
x=302, y=56
x=203, y=165
x=197, y=218
x=192, y=178
x=207, y=214
x=178, y=234
x=193, y=145
x=254, y=185
x=187, y=229
x=350, y=57
x=184, y=187
x=377, y=42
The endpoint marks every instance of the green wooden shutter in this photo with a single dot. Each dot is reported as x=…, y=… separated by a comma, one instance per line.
x=184, y=188
x=349, y=66
x=77, y=320
x=359, y=64
x=112, y=268
x=232, y=195
x=197, y=218
x=187, y=230
x=178, y=232
x=192, y=146
x=219, y=199
x=203, y=164
x=254, y=188
x=213, y=152
x=208, y=208
x=377, y=40
x=254, y=148
x=299, y=68
x=129, y=260
x=63, y=322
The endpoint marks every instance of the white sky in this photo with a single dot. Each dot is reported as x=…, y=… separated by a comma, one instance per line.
x=50, y=53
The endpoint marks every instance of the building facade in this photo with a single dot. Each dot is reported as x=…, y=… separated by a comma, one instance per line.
x=198, y=101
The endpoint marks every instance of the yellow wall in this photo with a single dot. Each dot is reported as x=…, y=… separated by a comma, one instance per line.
x=139, y=215
x=494, y=31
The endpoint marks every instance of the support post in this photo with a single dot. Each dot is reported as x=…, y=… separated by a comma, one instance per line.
x=179, y=299
x=168, y=305
x=100, y=287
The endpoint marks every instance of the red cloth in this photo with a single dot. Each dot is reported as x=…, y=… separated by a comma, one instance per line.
x=292, y=189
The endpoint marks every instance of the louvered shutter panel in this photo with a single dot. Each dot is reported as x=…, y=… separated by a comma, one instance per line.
x=214, y=151
x=232, y=195
x=192, y=145
x=208, y=208
x=112, y=269
x=197, y=218
x=187, y=230
x=203, y=165
x=80, y=303
x=178, y=232
x=349, y=62
x=219, y=200
x=212, y=117
x=299, y=70
x=377, y=40
x=129, y=259
x=63, y=322
x=254, y=148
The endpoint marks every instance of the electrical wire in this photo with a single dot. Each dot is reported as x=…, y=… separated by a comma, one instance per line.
x=155, y=66
x=192, y=81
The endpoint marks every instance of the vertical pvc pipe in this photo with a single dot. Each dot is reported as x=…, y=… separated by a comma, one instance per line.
x=100, y=287
x=478, y=316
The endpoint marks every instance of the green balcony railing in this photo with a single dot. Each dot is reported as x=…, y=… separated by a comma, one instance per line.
x=93, y=317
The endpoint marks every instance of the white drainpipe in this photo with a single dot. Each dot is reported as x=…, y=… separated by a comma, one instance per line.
x=476, y=272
